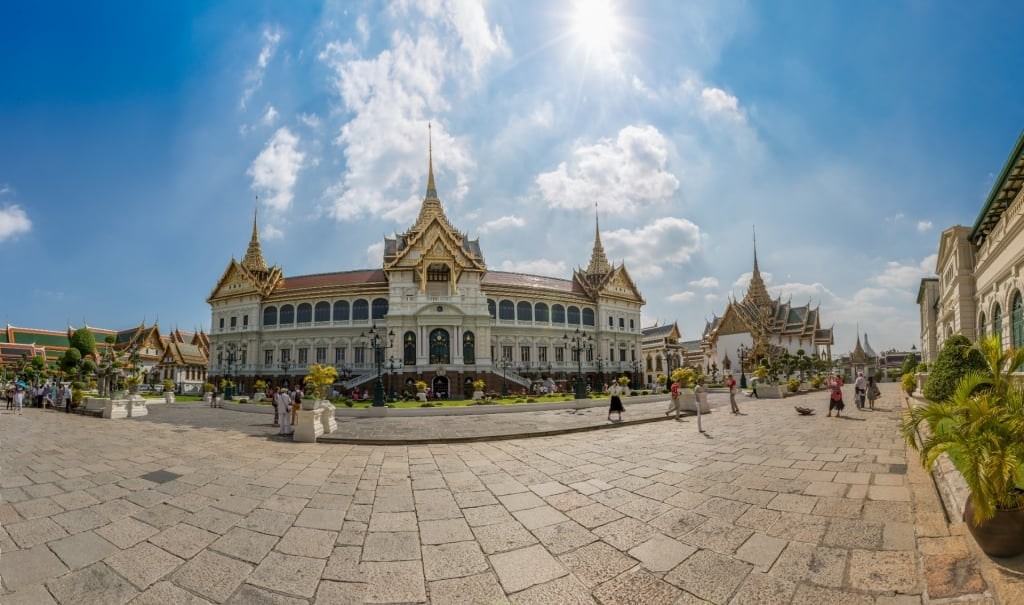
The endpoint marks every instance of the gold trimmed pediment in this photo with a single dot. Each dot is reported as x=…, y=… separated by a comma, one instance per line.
x=731, y=324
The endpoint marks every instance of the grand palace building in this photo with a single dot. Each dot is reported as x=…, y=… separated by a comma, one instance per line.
x=432, y=311
x=977, y=291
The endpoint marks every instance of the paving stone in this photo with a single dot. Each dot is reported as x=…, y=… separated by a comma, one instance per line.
x=760, y=589
x=563, y=591
x=521, y=501
x=393, y=521
x=471, y=499
x=394, y=582
x=391, y=546
x=212, y=576
x=34, y=532
x=267, y=522
x=520, y=569
x=315, y=518
x=807, y=594
x=288, y=573
x=237, y=504
x=883, y=571
x=563, y=537
x=718, y=536
x=161, y=515
x=74, y=500
x=305, y=542
x=285, y=504
x=126, y=532
x=82, y=549
x=444, y=531
x=503, y=536
x=593, y=515
x=661, y=553
x=331, y=593
x=637, y=588
x=818, y=564
x=625, y=533
x=23, y=569
x=487, y=515
x=143, y=564
x=94, y=585
x=722, y=509
x=793, y=503
x=758, y=519
x=709, y=575
x=343, y=565
x=454, y=560
x=481, y=588
x=30, y=595
x=245, y=544
x=798, y=527
x=213, y=520
x=678, y=522
x=853, y=533
x=596, y=563
x=183, y=540
x=949, y=576
x=898, y=536
x=761, y=550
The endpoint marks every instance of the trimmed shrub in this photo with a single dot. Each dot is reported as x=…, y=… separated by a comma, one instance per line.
x=955, y=360
x=908, y=383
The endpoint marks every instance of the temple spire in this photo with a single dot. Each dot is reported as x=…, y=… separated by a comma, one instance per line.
x=757, y=293
x=431, y=188
x=598, y=261
x=253, y=260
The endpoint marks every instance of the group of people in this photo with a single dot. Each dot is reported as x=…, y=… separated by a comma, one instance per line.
x=865, y=392
x=286, y=405
x=42, y=396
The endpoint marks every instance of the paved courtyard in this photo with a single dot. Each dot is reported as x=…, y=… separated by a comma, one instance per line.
x=194, y=505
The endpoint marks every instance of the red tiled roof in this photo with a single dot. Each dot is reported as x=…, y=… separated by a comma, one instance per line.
x=343, y=278
x=522, y=280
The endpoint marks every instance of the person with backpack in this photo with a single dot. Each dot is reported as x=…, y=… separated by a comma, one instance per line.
x=674, y=402
x=835, y=399
x=873, y=392
x=296, y=403
x=860, y=389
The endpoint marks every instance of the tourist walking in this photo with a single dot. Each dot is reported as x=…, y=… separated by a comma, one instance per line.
x=835, y=398
x=674, y=402
x=873, y=392
x=19, y=400
x=700, y=394
x=283, y=403
x=859, y=390
x=296, y=403
x=731, y=384
x=616, y=402
x=65, y=396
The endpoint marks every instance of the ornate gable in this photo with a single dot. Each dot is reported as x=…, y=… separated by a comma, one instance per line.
x=237, y=280
x=731, y=323
x=619, y=284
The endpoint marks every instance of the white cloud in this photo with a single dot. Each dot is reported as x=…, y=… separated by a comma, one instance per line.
x=705, y=282
x=310, y=119
x=270, y=232
x=646, y=250
x=899, y=216
x=621, y=175
x=375, y=254
x=363, y=27
x=254, y=78
x=681, y=296
x=504, y=222
x=906, y=276
x=540, y=266
x=5, y=189
x=13, y=221
x=270, y=116
x=445, y=47
x=717, y=101
x=276, y=168
x=923, y=226
x=744, y=279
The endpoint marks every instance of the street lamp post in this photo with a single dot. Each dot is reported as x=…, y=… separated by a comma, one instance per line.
x=379, y=343
x=285, y=365
x=742, y=353
x=578, y=343
x=505, y=364
x=600, y=373
x=635, y=366
x=230, y=360
x=393, y=364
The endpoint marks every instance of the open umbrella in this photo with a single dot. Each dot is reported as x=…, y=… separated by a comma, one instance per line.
x=21, y=384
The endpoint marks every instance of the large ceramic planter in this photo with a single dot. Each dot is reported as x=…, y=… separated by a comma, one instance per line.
x=308, y=403
x=421, y=395
x=478, y=395
x=1000, y=536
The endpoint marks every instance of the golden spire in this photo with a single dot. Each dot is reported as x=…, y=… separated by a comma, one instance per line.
x=598, y=261
x=431, y=188
x=757, y=293
x=253, y=259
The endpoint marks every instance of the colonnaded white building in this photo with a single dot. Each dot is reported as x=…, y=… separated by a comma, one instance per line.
x=443, y=317
x=979, y=284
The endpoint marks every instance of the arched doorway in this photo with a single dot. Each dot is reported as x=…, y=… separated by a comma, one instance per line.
x=440, y=387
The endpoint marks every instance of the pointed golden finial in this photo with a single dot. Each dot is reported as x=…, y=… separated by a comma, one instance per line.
x=253, y=259
x=431, y=188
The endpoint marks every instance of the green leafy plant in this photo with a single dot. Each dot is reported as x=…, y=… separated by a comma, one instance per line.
x=908, y=383
x=207, y=387
x=793, y=385
x=318, y=378
x=955, y=360
x=981, y=427
x=421, y=386
x=686, y=377
x=623, y=380
x=168, y=385
x=477, y=385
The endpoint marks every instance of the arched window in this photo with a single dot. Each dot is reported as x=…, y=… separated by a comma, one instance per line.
x=409, y=349
x=361, y=310
x=440, y=347
x=341, y=310
x=468, y=348
x=588, y=317
x=506, y=310
x=322, y=312
x=491, y=308
x=1017, y=313
x=981, y=326
x=997, y=324
x=557, y=314
x=380, y=308
x=287, y=314
x=305, y=313
x=270, y=316
x=574, y=316
x=524, y=311
x=540, y=312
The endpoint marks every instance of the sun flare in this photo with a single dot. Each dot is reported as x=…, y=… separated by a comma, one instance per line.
x=595, y=24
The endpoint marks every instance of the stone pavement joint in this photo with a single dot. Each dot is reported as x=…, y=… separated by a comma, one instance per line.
x=198, y=505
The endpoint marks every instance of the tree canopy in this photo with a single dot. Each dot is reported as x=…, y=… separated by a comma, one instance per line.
x=955, y=360
x=84, y=341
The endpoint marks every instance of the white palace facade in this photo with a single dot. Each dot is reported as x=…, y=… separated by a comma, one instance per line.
x=980, y=270
x=453, y=321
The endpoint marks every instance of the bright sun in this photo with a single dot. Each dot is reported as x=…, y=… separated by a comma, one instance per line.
x=595, y=25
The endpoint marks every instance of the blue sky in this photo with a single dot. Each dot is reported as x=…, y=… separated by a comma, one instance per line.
x=134, y=138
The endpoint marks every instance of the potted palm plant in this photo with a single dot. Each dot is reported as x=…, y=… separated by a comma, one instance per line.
x=981, y=428
x=421, y=390
x=478, y=389
x=317, y=380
